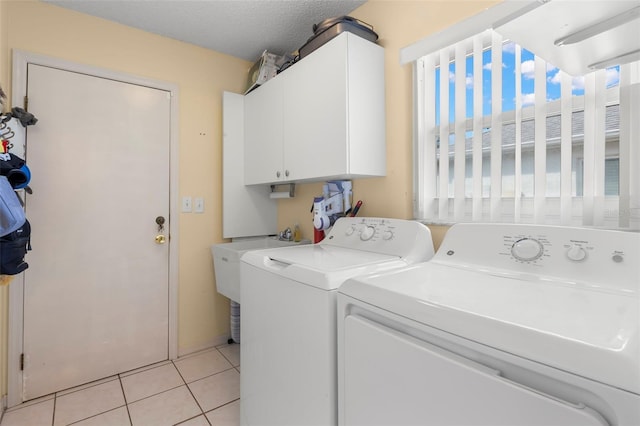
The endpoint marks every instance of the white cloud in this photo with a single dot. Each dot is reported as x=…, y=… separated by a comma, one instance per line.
x=527, y=68
x=528, y=99
x=555, y=79
x=577, y=83
x=469, y=81
x=487, y=66
x=613, y=76
x=509, y=47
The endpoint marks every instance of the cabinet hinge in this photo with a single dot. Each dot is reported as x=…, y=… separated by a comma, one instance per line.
x=26, y=103
x=21, y=362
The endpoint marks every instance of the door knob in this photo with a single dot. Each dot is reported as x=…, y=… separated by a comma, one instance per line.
x=160, y=239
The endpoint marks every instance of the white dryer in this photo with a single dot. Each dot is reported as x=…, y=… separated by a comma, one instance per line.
x=289, y=317
x=506, y=325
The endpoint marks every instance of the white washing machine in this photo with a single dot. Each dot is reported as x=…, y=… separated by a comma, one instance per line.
x=506, y=325
x=289, y=354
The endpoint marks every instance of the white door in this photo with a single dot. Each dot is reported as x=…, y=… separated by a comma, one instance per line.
x=96, y=291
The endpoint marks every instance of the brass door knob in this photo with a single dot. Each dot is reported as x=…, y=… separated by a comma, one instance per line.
x=160, y=239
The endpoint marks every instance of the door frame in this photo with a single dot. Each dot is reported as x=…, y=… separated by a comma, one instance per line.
x=21, y=59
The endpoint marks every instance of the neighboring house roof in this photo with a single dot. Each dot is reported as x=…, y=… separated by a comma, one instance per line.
x=612, y=128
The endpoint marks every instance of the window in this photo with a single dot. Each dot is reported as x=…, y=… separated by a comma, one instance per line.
x=504, y=136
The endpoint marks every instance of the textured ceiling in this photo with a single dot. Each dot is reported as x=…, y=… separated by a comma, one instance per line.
x=241, y=28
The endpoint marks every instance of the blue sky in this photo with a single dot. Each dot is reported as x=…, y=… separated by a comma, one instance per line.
x=508, y=77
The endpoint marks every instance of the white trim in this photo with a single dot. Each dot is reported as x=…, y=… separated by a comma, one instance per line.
x=489, y=18
x=220, y=340
x=16, y=290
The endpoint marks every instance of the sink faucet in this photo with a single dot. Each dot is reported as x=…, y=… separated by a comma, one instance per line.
x=285, y=235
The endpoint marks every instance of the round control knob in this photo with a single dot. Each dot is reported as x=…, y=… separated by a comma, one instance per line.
x=367, y=232
x=350, y=230
x=527, y=249
x=576, y=253
x=387, y=235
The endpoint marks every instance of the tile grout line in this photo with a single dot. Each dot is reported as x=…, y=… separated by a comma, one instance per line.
x=94, y=415
x=194, y=417
x=103, y=412
x=224, y=356
x=53, y=416
x=144, y=368
x=126, y=403
x=191, y=393
x=85, y=386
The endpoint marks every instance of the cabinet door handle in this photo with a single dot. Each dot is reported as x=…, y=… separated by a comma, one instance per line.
x=278, y=173
x=286, y=173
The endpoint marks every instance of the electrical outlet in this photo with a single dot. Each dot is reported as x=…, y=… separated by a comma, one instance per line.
x=186, y=204
x=198, y=205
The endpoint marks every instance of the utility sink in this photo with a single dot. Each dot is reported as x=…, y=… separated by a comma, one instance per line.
x=226, y=261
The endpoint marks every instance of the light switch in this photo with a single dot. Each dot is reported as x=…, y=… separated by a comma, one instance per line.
x=186, y=204
x=199, y=205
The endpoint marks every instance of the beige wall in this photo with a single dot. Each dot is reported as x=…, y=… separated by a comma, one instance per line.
x=201, y=76
x=398, y=23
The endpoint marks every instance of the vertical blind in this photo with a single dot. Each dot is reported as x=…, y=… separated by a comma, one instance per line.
x=487, y=151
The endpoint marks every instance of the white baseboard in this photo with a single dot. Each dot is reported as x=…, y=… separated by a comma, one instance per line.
x=216, y=341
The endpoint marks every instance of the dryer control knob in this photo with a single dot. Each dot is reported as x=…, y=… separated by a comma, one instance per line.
x=367, y=232
x=387, y=235
x=527, y=249
x=350, y=230
x=576, y=253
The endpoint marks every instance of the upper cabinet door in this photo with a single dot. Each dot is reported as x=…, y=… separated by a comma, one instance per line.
x=246, y=210
x=316, y=113
x=366, y=122
x=263, y=127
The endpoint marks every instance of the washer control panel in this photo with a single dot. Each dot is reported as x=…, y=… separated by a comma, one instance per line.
x=382, y=235
x=384, y=230
x=576, y=254
x=537, y=248
x=527, y=249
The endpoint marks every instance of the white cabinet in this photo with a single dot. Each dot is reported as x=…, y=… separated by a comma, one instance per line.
x=325, y=117
x=246, y=210
x=263, y=133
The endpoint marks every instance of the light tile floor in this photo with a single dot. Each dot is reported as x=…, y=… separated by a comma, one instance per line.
x=200, y=389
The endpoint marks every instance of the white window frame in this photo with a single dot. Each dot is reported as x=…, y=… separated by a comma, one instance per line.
x=623, y=211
